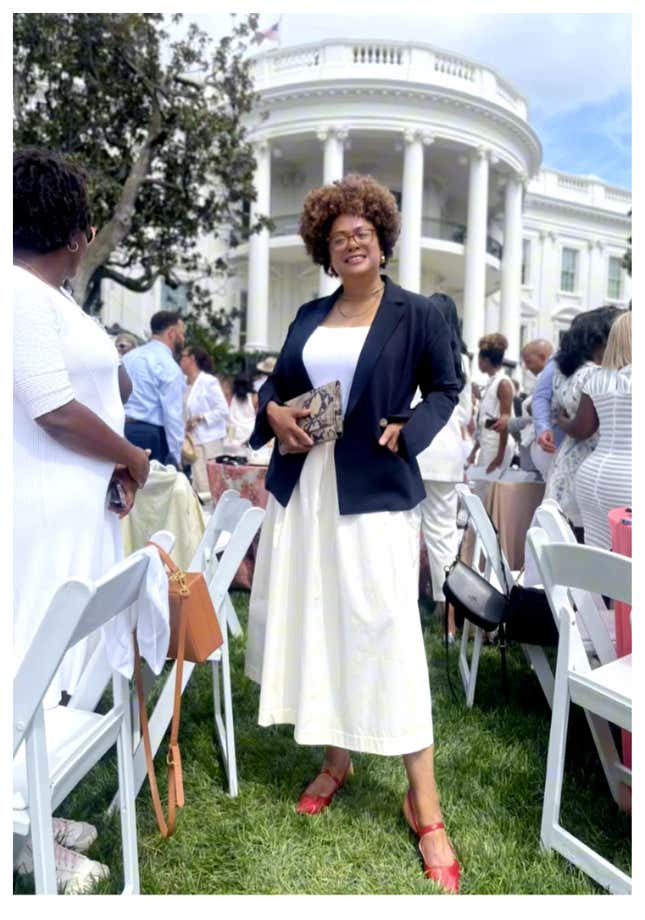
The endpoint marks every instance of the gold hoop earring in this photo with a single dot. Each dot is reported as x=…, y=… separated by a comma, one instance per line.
x=73, y=248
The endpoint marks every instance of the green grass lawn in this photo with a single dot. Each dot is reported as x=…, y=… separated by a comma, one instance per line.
x=490, y=764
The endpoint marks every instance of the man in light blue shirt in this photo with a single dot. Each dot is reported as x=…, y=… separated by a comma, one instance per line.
x=548, y=433
x=154, y=412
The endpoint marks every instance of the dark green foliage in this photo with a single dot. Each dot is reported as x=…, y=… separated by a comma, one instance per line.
x=159, y=124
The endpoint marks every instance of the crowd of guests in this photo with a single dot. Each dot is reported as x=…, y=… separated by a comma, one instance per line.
x=334, y=635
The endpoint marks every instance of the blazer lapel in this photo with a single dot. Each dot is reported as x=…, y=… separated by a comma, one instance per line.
x=385, y=322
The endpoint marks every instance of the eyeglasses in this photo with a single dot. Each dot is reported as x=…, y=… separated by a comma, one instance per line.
x=340, y=240
x=90, y=235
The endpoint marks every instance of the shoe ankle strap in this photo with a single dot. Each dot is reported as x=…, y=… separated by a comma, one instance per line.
x=429, y=828
x=338, y=782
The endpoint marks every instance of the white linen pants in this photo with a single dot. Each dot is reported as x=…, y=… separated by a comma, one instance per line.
x=439, y=529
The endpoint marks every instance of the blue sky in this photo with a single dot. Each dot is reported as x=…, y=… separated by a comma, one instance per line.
x=574, y=69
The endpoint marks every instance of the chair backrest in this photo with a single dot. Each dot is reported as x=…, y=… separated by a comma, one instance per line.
x=488, y=540
x=77, y=609
x=567, y=566
x=221, y=572
x=229, y=509
x=45, y=652
x=592, y=613
x=114, y=592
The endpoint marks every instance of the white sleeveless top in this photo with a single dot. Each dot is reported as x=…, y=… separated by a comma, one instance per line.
x=332, y=354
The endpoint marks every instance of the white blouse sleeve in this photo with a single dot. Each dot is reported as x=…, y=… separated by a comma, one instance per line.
x=218, y=410
x=40, y=379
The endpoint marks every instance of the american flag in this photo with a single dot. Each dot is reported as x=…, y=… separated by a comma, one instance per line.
x=272, y=34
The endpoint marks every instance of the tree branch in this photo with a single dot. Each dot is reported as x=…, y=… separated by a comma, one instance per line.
x=139, y=285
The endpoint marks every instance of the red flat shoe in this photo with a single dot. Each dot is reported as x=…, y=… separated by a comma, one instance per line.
x=314, y=804
x=445, y=876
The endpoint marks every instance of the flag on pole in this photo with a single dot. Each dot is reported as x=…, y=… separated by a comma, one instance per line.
x=272, y=34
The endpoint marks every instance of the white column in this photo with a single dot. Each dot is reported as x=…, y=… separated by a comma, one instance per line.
x=510, y=312
x=411, y=211
x=333, y=168
x=257, y=322
x=475, y=254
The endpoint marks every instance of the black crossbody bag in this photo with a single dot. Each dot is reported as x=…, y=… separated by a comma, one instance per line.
x=520, y=614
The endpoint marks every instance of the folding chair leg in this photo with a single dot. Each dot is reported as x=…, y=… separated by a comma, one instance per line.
x=468, y=671
x=40, y=809
x=539, y=664
x=557, y=745
x=126, y=796
x=608, y=753
x=224, y=725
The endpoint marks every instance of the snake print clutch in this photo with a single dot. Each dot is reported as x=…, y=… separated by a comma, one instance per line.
x=326, y=420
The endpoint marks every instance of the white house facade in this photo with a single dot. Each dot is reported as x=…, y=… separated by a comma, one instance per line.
x=521, y=249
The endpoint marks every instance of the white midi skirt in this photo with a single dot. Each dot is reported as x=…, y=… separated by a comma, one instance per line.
x=334, y=636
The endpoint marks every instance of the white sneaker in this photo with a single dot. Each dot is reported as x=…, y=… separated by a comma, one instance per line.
x=77, y=835
x=75, y=874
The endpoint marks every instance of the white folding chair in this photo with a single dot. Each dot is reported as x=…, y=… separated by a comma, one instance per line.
x=605, y=691
x=62, y=744
x=501, y=577
x=227, y=537
x=595, y=622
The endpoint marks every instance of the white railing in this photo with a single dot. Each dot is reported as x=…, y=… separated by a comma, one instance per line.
x=615, y=194
x=413, y=62
x=454, y=67
x=571, y=182
x=377, y=54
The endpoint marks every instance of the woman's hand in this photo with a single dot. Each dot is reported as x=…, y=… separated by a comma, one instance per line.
x=495, y=462
x=139, y=465
x=129, y=487
x=282, y=420
x=390, y=437
x=193, y=421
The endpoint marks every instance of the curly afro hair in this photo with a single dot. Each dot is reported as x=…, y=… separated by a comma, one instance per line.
x=49, y=200
x=493, y=347
x=587, y=332
x=355, y=194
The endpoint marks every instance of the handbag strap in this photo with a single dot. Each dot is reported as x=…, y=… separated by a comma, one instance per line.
x=173, y=758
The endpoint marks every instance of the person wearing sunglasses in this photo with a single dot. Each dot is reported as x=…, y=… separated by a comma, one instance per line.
x=334, y=635
x=69, y=448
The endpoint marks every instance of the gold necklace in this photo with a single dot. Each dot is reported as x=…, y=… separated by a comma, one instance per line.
x=356, y=300
x=33, y=271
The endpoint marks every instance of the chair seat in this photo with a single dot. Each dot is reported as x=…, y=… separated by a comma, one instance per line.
x=607, y=691
x=69, y=731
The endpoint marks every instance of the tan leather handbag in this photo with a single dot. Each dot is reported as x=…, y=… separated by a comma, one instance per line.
x=194, y=635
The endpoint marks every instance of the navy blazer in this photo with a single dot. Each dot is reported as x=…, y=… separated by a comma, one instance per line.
x=408, y=345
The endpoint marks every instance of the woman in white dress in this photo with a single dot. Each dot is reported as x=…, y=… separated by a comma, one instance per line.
x=334, y=636
x=68, y=435
x=579, y=356
x=242, y=410
x=493, y=452
x=442, y=467
x=205, y=411
x=604, y=480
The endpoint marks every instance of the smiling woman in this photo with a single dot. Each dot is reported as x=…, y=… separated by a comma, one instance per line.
x=335, y=637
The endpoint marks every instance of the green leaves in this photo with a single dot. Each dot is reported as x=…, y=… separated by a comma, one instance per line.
x=159, y=125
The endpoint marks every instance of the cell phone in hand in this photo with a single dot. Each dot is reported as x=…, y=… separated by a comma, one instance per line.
x=116, y=496
x=490, y=422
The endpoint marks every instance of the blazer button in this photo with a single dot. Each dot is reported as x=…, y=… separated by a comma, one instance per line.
x=383, y=423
